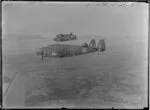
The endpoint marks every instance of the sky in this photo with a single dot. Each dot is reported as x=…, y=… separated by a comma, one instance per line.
x=32, y=25
x=48, y=19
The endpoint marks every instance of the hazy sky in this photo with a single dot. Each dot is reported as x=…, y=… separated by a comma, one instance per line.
x=49, y=19
x=32, y=25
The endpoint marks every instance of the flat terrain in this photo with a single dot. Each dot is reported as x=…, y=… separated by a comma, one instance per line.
x=114, y=78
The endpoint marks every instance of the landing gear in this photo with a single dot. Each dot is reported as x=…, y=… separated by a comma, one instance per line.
x=42, y=59
x=42, y=54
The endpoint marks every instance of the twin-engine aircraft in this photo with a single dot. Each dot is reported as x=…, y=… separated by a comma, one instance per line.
x=67, y=50
x=64, y=37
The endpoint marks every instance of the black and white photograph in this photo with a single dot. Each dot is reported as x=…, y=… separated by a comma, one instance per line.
x=74, y=54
